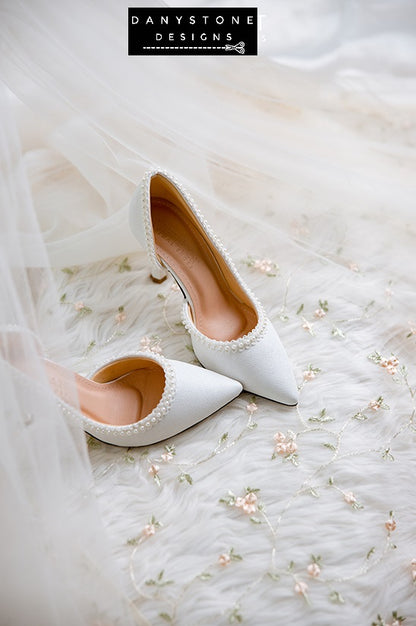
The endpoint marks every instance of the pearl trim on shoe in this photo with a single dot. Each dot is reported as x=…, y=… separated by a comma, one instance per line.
x=235, y=345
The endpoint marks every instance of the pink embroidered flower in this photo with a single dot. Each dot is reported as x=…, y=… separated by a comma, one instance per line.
x=166, y=457
x=252, y=407
x=279, y=437
x=78, y=306
x=374, y=405
x=391, y=524
x=291, y=447
x=150, y=345
x=120, y=317
x=263, y=265
x=350, y=498
x=284, y=445
x=390, y=364
x=353, y=267
x=319, y=313
x=153, y=469
x=301, y=588
x=281, y=448
x=308, y=326
x=313, y=570
x=149, y=530
x=224, y=559
x=309, y=375
x=249, y=509
x=251, y=497
x=250, y=506
x=248, y=503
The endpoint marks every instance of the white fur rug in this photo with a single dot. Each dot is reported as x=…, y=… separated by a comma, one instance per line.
x=329, y=538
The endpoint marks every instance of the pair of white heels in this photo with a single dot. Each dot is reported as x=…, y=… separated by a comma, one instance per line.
x=144, y=398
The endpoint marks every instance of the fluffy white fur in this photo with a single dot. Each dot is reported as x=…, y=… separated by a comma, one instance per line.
x=197, y=528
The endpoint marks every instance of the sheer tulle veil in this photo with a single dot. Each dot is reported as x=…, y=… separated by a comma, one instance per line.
x=263, y=143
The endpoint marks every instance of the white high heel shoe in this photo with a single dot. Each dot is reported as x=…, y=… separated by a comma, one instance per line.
x=141, y=399
x=229, y=330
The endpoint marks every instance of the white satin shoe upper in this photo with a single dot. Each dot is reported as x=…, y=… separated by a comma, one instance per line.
x=257, y=359
x=190, y=394
x=262, y=367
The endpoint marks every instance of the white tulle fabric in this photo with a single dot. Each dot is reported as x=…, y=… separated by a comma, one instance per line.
x=304, y=155
x=56, y=562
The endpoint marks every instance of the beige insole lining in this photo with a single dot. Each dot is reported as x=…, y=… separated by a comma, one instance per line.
x=217, y=310
x=121, y=393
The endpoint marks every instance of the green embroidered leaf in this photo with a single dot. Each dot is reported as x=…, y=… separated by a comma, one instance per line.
x=90, y=346
x=93, y=443
x=300, y=309
x=134, y=541
x=336, y=597
x=337, y=332
x=235, y=616
x=360, y=416
x=84, y=311
x=234, y=556
x=293, y=458
x=166, y=617
x=321, y=418
x=375, y=357
x=370, y=552
x=124, y=265
x=185, y=478
x=159, y=582
x=387, y=455
x=223, y=438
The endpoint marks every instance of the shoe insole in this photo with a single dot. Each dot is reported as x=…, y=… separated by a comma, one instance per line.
x=119, y=402
x=217, y=310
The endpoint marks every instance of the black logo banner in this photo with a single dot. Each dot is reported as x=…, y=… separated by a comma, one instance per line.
x=186, y=31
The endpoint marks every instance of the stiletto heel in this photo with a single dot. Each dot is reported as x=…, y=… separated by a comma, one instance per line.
x=230, y=332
